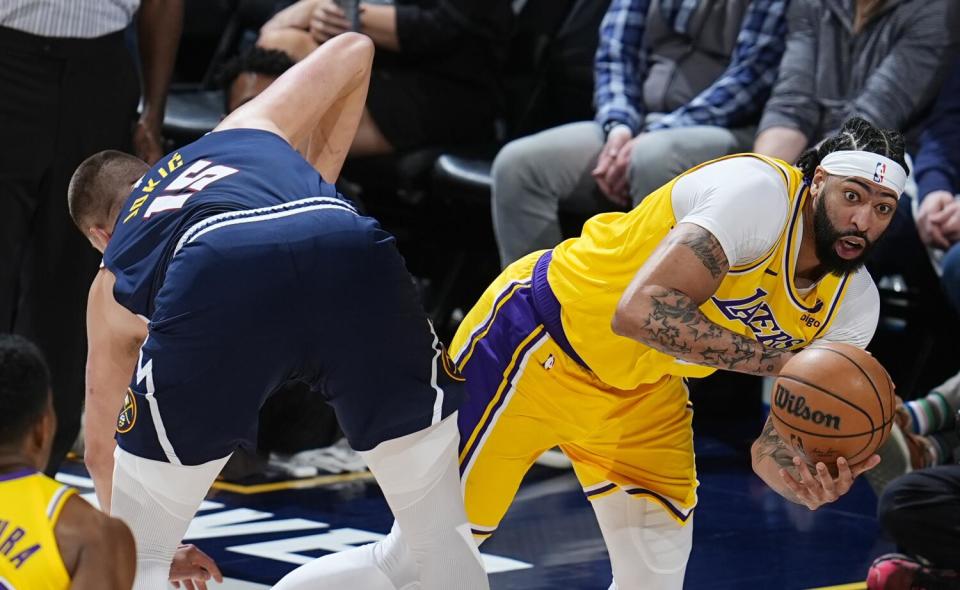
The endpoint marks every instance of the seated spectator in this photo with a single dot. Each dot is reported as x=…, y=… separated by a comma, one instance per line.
x=435, y=76
x=677, y=83
x=924, y=435
x=249, y=73
x=878, y=59
x=937, y=172
x=921, y=512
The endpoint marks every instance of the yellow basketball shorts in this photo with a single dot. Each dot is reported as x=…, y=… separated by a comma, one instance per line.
x=525, y=396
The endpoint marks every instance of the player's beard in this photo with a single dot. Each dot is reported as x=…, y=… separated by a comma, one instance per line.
x=825, y=237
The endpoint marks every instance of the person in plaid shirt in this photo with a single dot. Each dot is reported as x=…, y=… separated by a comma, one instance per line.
x=678, y=82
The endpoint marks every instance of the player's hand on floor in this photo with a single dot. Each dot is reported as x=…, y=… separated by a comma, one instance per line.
x=192, y=569
x=813, y=490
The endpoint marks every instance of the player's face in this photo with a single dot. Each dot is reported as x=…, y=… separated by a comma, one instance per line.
x=850, y=215
x=245, y=88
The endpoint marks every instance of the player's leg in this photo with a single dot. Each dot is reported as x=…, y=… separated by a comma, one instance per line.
x=383, y=370
x=192, y=400
x=638, y=472
x=648, y=547
x=157, y=500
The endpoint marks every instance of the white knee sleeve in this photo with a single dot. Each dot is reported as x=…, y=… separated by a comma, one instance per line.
x=385, y=565
x=420, y=479
x=157, y=501
x=648, y=548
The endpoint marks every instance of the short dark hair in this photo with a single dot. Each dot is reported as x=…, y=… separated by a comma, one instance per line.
x=856, y=134
x=100, y=185
x=258, y=60
x=24, y=387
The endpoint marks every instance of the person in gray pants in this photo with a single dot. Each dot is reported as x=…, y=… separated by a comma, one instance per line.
x=678, y=82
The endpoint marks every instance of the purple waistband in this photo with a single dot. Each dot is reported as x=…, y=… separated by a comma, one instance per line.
x=17, y=474
x=548, y=307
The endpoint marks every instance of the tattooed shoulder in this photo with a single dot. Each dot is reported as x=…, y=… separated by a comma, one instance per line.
x=707, y=249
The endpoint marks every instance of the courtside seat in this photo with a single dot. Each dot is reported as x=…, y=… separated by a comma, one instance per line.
x=192, y=113
x=471, y=172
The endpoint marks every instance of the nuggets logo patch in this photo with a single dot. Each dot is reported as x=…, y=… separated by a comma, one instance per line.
x=128, y=415
x=448, y=366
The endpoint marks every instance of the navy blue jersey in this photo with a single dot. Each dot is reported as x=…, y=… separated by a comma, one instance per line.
x=232, y=170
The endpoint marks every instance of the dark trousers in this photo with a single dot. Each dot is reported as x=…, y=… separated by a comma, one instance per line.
x=61, y=100
x=921, y=512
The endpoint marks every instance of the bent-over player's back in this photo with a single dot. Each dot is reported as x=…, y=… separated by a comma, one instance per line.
x=224, y=172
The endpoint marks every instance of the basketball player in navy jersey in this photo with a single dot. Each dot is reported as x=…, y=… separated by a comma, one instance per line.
x=233, y=266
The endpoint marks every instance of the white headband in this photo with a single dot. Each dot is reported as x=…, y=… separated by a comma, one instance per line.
x=868, y=166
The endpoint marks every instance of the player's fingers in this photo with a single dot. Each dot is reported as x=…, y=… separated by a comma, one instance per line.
x=207, y=563
x=792, y=483
x=803, y=470
x=188, y=585
x=826, y=481
x=798, y=490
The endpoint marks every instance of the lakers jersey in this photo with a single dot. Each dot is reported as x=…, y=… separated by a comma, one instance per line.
x=588, y=275
x=30, y=505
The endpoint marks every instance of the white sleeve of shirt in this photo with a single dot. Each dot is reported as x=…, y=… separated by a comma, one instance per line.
x=743, y=202
x=859, y=313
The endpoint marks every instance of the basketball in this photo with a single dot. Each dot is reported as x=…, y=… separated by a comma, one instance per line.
x=833, y=400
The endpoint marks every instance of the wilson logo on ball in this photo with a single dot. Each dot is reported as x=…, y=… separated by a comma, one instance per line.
x=797, y=406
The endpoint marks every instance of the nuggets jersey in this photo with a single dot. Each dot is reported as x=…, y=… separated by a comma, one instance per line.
x=225, y=171
x=30, y=505
x=589, y=274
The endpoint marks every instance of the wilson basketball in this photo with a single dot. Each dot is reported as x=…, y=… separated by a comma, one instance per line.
x=833, y=400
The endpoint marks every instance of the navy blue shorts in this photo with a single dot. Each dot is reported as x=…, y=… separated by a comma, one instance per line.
x=307, y=291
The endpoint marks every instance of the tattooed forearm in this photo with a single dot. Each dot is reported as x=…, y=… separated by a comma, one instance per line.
x=771, y=445
x=675, y=325
x=707, y=249
x=770, y=455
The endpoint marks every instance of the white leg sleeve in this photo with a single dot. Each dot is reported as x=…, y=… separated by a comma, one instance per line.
x=157, y=501
x=648, y=548
x=385, y=565
x=420, y=479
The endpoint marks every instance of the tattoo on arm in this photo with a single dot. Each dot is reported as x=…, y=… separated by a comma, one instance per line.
x=771, y=445
x=707, y=249
x=676, y=326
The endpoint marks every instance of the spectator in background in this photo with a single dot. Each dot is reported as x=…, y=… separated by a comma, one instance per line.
x=937, y=171
x=677, y=83
x=435, y=76
x=69, y=89
x=249, y=73
x=877, y=59
x=925, y=433
x=921, y=512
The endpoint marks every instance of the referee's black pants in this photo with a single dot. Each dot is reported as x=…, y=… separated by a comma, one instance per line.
x=61, y=100
x=921, y=512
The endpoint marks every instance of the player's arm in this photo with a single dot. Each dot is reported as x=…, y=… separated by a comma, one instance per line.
x=114, y=337
x=316, y=105
x=97, y=550
x=661, y=306
x=782, y=469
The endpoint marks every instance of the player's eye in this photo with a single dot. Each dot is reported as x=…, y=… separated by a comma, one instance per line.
x=884, y=209
x=851, y=196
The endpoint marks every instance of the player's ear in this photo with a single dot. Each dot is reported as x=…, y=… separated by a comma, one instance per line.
x=99, y=237
x=819, y=182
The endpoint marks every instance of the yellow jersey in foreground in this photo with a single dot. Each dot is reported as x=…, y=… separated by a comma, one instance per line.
x=759, y=300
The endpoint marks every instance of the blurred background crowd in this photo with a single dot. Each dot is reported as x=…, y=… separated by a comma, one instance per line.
x=486, y=135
